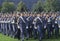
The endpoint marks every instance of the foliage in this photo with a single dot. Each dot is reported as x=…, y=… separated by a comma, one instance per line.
x=8, y=7
x=38, y=7
x=52, y=5
x=21, y=7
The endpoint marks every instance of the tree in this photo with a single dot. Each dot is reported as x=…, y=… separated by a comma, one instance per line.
x=56, y=5
x=6, y=0
x=8, y=7
x=0, y=8
x=21, y=7
x=52, y=5
x=38, y=7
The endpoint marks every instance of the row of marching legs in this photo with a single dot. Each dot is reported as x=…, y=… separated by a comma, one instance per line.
x=22, y=33
x=8, y=29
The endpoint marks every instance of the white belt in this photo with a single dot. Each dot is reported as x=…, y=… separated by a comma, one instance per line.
x=59, y=26
x=26, y=27
x=45, y=26
x=55, y=21
x=35, y=27
x=52, y=25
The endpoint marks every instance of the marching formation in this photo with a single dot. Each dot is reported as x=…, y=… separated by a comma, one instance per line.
x=25, y=26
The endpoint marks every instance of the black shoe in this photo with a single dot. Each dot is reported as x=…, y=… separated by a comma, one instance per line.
x=22, y=40
x=35, y=38
x=26, y=38
x=40, y=40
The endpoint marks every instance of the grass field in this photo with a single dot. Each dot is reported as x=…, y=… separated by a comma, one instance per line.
x=7, y=38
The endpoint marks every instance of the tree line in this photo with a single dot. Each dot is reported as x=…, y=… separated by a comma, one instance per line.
x=47, y=6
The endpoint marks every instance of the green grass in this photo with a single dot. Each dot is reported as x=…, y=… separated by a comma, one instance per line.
x=7, y=38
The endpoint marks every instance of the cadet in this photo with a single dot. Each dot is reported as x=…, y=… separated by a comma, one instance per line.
x=14, y=25
x=59, y=21
x=30, y=24
x=56, y=26
x=44, y=24
x=35, y=28
x=8, y=25
x=17, y=35
x=0, y=24
x=6, y=22
x=39, y=27
x=21, y=23
x=49, y=26
x=26, y=26
x=5, y=25
x=53, y=23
